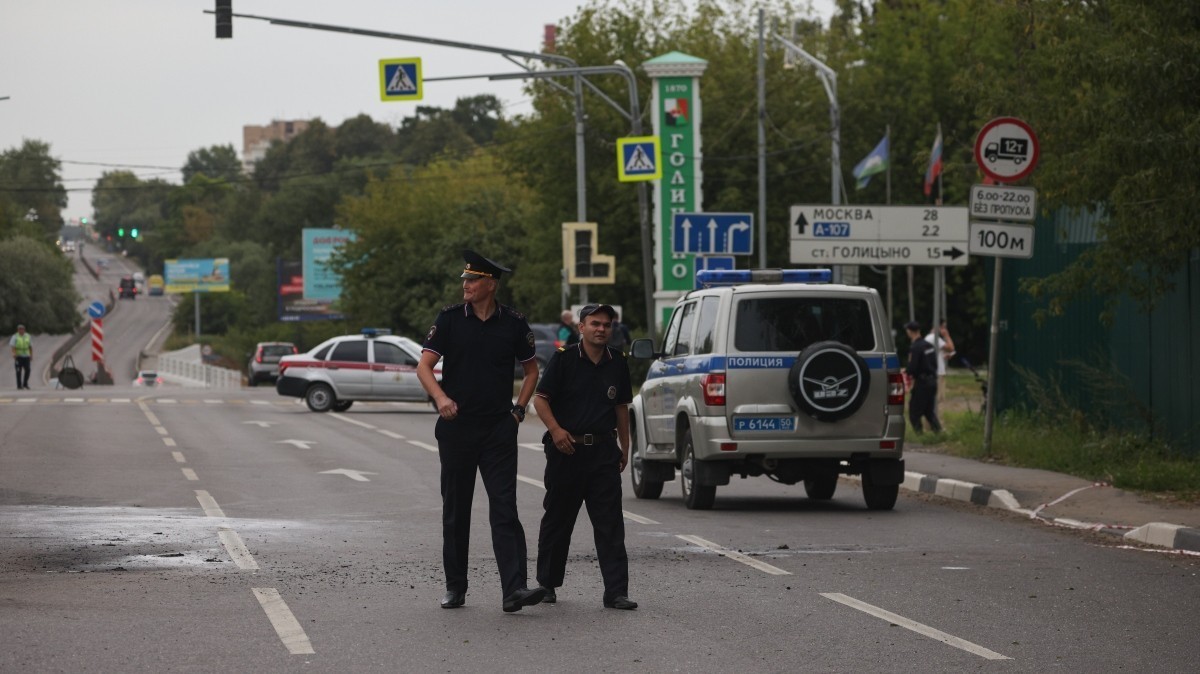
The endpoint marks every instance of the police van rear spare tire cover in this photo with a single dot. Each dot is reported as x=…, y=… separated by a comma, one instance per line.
x=829, y=381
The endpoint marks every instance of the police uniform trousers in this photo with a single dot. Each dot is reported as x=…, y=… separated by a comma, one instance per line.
x=22, y=365
x=923, y=401
x=591, y=475
x=489, y=447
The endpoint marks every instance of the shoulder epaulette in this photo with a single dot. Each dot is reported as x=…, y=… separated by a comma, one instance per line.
x=514, y=312
x=451, y=307
x=562, y=348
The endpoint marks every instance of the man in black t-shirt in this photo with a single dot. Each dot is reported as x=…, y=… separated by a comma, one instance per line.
x=477, y=426
x=922, y=372
x=584, y=399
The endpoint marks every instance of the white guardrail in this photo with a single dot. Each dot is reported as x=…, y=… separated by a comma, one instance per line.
x=186, y=367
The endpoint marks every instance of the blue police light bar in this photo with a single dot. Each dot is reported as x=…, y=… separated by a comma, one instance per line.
x=707, y=278
x=376, y=332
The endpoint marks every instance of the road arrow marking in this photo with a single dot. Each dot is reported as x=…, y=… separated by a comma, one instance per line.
x=356, y=475
x=261, y=424
x=302, y=444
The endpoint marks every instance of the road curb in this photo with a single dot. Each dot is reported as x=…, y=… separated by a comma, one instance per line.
x=1159, y=534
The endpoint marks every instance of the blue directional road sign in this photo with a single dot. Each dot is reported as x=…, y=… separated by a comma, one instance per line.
x=96, y=310
x=713, y=233
x=715, y=262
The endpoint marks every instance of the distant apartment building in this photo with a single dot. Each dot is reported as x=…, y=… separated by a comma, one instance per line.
x=256, y=140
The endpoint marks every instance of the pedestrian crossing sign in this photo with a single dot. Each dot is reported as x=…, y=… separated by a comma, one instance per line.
x=400, y=80
x=639, y=158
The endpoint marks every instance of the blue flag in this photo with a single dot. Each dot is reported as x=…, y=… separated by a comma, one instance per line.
x=876, y=162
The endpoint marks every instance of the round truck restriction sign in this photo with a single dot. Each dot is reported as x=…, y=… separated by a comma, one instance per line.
x=1006, y=149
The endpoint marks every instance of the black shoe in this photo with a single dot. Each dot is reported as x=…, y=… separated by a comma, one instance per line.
x=622, y=602
x=523, y=597
x=550, y=597
x=454, y=599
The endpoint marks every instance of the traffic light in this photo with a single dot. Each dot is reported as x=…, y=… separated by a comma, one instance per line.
x=580, y=259
x=83, y=220
x=121, y=232
x=224, y=18
x=133, y=232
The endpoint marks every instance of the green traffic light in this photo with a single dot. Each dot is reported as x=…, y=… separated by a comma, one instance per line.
x=83, y=220
x=120, y=231
x=133, y=232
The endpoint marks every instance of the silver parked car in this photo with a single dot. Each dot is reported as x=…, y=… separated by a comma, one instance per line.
x=264, y=363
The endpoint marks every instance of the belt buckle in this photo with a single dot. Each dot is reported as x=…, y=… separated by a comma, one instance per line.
x=588, y=439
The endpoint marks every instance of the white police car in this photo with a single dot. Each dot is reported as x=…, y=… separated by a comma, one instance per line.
x=373, y=366
x=771, y=373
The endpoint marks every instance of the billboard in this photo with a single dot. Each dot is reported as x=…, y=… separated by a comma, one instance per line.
x=292, y=305
x=319, y=245
x=209, y=275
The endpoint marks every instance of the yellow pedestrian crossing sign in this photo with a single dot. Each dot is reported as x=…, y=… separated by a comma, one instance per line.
x=400, y=80
x=639, y=158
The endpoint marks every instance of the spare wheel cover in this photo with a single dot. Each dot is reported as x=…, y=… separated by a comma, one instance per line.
x=829, y=381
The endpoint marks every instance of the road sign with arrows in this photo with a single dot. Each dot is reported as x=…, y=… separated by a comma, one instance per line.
x=713, y=233
x=879, y=235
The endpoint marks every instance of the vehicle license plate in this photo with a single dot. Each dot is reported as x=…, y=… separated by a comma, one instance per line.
x=764, y=424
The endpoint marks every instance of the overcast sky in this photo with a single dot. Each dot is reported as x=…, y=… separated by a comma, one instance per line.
x=122, y=83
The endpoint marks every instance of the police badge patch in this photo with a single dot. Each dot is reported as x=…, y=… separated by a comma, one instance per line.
x=529, y=338
x=612, y=392
x=432, y=332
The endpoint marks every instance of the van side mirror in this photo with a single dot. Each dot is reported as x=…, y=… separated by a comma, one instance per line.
x=642, y=348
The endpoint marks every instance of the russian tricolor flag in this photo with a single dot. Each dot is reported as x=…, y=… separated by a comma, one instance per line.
x=935, y=162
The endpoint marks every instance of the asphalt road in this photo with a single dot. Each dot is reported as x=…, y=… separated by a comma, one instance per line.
x=200, y=530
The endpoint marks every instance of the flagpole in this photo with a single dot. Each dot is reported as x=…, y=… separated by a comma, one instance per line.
x=888, y=136
x=940, y=198
x=909, y=270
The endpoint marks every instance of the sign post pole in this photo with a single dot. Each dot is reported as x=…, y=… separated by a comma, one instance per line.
x=990, y=412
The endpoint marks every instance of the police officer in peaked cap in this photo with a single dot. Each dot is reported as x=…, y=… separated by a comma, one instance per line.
x=477, y=426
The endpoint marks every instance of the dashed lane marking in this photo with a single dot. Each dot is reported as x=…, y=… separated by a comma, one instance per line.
x=286, y=626
x=190, y=474
x=356, y=422
x=735, y=556
x=423, y=445
x=530, y=480
x=170, y=442
x=638, y=518
x=178, y=457
x=915, y=626
x=535, y=446
x=236, y=548
x=161, y=430
x=390, y=434
x=209, y=504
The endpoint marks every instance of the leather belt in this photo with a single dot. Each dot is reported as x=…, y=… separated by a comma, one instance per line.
x=592, y=438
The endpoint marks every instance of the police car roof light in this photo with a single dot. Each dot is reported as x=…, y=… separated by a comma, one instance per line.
x=375, y=332
x=707, y=278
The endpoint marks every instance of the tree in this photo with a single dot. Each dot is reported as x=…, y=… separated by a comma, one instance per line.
x=1113, y=91
x=31, y=192
x=219, y=162
x=36, y=288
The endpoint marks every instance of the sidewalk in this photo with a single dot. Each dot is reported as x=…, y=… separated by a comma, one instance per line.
x=1062, y=499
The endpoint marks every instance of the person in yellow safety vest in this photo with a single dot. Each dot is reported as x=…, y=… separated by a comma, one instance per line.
x=22, y=351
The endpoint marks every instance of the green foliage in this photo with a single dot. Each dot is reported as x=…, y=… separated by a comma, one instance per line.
x=411, y=227
x=31, y=193
x=36, y=288
x=219, y=162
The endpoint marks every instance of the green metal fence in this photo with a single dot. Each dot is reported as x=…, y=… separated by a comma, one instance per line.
x=1140, y=373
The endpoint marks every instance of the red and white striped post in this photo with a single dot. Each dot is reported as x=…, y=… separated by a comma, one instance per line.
x=98, y=340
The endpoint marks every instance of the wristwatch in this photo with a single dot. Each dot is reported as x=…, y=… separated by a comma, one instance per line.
x=519, y=410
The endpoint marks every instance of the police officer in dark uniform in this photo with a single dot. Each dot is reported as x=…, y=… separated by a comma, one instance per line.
x=477, y=426
x=922, y=372
x=583, y=399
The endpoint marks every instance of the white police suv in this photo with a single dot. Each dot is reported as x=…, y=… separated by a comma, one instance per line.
x=775, y=373
x=372, y=366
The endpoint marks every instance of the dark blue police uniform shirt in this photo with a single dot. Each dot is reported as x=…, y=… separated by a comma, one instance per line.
x=477, y=372
x=583, y=395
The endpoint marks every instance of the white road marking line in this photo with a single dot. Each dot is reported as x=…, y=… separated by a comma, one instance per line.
x=190, y=474
x=735, y=556
x=530, y=480
x=209, y=504
x=119, y=400
x=213, y=402
x=394, y=436
x=149, y=415
x=169, y=442
x=286, y=626
x=259, y=402
x=236, y=548
x=178, y=457
x=72, y=400
x=161, y=430
x=915, y=626
x=348, y=420
x=535, y=446
x=27, y=400
x=167, y=401
x=956, y=568
x=638, y=518
x=423, y=445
